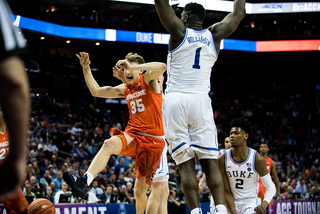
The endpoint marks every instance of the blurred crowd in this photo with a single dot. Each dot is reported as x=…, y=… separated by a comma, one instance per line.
x=62, y=137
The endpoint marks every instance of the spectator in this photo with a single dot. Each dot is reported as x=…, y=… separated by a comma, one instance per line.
x=108, y=196
x=102, y=180
x=46, y=179
x=130, y=189
x=52, y=147
x=53, y=187
x=64, y=188
x=301, y=188
x=48, y=195
x=96, y=190
x=58, y=181
x=28, y=191
x=123, y=196
x=288, y=195
x=120, y=167
x=173, y=203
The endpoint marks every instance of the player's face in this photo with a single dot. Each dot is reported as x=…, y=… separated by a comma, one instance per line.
x=238, y=137
x=227, y=143
x=264, y=149
x=184, y=17
x=132, y=75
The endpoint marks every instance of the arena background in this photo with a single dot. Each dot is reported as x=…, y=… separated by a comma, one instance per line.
x=263, y=83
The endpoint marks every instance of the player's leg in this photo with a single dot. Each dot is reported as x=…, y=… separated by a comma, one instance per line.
x=140, y=190
x=214, y=180
x=189, y=183
x=109, y=147
x=205, y=143
x=157, y=201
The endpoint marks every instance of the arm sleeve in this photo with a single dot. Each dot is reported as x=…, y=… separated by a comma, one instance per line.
x=270, y=187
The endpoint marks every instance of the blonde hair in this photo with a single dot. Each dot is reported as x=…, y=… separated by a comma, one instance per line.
x=134, y=57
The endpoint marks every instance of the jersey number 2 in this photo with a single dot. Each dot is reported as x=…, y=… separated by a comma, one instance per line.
x=239, y=184
x=137, y=105
x=197, y=59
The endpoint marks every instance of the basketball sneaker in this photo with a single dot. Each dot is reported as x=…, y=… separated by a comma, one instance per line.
x=79, y=187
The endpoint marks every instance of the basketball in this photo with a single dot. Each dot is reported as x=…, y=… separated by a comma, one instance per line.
x=41, y=205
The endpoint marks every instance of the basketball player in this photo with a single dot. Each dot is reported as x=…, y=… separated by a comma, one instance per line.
x=240, y=168
x=143, y=137
x=17, y=204
x=188, y=116
x=14, y=98
x=227, y=146
x=158, y=198
x=271, y=166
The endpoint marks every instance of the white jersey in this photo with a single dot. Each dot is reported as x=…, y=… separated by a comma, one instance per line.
x=189, y=65
x=243, y=177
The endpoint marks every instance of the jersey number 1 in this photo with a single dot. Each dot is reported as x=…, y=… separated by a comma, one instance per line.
x=197, y=59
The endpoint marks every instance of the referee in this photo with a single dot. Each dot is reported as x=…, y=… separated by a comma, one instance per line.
x=15, y=103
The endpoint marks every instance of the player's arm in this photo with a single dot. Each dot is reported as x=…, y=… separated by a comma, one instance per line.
x=201, y=182
x=261, y=168
x=229, y=24
x=154, y=70
x=169, y=20
x=227, y=192
x=95, y=89
x=275, y=178
x=15, y=102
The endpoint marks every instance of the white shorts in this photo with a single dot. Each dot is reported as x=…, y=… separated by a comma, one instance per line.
x=162, y=173
x=245, y=206
x=189, y=126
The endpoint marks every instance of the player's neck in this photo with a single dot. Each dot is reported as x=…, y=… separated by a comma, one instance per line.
x=195, y=26
x=240, y=153
x=265, y=156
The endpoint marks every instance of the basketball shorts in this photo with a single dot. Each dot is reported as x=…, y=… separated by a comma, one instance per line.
x=189, y=126
x=162, y=173
x=147, y=150
x=17, y=204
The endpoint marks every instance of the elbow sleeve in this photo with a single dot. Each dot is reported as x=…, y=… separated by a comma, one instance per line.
x=270, y=188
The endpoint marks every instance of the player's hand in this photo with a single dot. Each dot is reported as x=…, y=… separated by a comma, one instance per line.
x=278, y=196
x=200, y=189
x=261, y=209
x=119, y=73
x=84, y=59
x=12, y=175
x=125, y=64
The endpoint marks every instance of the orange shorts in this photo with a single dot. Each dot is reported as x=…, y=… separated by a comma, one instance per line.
x=262, y=191
x=147, y=151
x=17, y=204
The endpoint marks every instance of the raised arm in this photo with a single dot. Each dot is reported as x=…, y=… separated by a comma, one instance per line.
x=261, y=167
x=227, y=192
x=229, y=24
x=169, y=20
x=154, y=70
x=95, y=89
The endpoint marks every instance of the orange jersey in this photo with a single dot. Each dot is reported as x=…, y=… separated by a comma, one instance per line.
x=4, y=145
x=145, y=108
x=268, y=162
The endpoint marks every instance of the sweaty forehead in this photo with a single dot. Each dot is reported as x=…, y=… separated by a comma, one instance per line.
x=236, y=129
